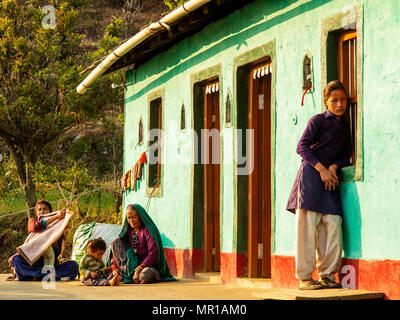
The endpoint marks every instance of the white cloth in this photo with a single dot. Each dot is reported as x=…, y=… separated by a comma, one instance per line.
x=49, y=257
x=318, y=244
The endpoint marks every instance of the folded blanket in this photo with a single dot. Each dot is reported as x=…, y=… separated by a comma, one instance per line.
x=37, y=243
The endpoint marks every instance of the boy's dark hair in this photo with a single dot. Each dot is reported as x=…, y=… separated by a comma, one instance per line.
x=331, y=86
x=46, y=203
x=97, y=244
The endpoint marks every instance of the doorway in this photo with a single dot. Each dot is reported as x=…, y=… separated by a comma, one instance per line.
x=259, y=183
x=254, y=82
x=210, y=138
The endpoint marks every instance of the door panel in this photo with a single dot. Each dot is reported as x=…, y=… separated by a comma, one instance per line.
x=211, y=179
x=259, y=187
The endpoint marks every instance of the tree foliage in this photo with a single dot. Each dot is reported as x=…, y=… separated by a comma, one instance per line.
x=39, y=71
x=172, y=4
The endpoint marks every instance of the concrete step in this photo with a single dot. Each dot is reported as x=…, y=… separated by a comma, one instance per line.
x=211, y=277
x=257, y=283
x=263, y=290
x=215, y=277
x=322, y=294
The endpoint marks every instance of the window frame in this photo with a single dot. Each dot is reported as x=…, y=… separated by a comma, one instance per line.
x=351, y=85
x=239, y=74
x=333, y=26
x=140, y=132
x=158, y=95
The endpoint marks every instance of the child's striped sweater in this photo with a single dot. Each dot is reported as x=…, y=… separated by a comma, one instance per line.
x=90, y=264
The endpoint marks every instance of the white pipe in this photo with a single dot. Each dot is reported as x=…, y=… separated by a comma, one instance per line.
x=142, y=35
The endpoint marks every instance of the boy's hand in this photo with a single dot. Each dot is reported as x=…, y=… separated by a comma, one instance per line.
x=328, y=176
x=61, y=214
x=93, y=274
x=107, y=269
x=333, y=168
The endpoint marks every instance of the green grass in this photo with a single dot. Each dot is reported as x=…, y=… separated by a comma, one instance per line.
x=15, y=201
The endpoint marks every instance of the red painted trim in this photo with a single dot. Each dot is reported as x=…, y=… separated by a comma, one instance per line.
x=373, y=275
x=183, y=262
x=232, y=266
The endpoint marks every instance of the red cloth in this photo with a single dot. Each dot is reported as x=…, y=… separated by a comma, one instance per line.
x=142, y=158
x=35, y=225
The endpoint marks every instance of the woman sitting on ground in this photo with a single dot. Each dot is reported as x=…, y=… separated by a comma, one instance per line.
x=138, y=254
x=26, y=272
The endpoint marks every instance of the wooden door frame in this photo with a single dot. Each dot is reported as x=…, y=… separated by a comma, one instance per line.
x=211, y=228
x=256, y=215
x=241, y=66
x=197, y=79
x=151, y=191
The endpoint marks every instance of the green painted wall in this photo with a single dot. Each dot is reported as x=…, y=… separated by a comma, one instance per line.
x=371, y=204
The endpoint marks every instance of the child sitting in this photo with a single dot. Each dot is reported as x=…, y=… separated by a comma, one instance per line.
x=92, y=269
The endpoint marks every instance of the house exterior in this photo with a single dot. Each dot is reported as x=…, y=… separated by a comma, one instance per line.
x=245, y=75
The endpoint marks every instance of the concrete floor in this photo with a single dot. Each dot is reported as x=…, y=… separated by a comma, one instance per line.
x=184, y=289
x=203, y=287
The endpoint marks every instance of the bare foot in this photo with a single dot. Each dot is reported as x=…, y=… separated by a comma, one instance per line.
x=114, y=281
x=119, y=278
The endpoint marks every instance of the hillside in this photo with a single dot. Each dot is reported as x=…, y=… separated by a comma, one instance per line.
x=136, y=13
x=95, y=148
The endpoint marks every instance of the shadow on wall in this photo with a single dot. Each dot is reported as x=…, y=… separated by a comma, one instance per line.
x=351, y=226
x=351, y=233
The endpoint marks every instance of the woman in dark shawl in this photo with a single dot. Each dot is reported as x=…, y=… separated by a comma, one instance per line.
x=138, y=254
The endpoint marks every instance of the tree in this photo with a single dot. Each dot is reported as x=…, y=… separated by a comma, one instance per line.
x=172, y=4
x=39, y=71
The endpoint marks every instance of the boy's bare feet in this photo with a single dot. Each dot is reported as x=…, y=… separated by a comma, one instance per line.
x=115, y=281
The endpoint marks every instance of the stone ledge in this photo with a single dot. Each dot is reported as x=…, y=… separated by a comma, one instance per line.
x=322, y=294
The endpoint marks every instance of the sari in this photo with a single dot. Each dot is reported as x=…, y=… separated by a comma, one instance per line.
x=132, y=261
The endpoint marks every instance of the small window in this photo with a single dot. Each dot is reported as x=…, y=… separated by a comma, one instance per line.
x=155, y=124
x=347, y=74
x=307, y=73
x=140, y=138
x=183, y=117
x=228, y=110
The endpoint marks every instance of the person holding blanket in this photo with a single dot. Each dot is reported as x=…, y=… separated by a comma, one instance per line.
x=26, y=272
x=138, y=254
